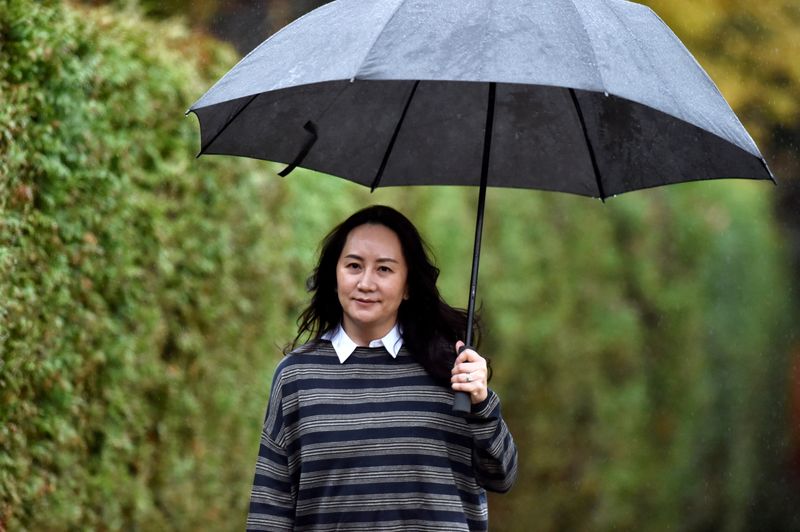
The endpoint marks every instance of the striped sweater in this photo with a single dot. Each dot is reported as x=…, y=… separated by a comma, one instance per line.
x=373, y=445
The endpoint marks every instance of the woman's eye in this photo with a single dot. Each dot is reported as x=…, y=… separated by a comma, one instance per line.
x=353, y=265
x=384, y=269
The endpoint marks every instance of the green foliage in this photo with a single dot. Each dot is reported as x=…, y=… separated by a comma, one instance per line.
x=145, y=297
x=635, y=344
x=133, y=282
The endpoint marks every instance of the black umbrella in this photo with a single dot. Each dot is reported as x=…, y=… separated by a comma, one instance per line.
x=591, y=97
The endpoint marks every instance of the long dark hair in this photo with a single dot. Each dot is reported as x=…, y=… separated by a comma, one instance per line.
x=430, y=326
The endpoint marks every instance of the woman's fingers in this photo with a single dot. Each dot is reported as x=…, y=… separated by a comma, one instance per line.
x=468, y=367
x=469, y=361
x=466, y=354
x=469, y=374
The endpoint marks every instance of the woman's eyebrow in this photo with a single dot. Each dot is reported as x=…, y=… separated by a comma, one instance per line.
x=382, y=259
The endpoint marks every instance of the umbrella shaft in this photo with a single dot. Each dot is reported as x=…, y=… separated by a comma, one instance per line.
x=461, y=400
x=476, y=249
x=476, y=258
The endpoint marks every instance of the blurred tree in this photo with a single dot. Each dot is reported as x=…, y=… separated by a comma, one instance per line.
x=751, y=50
x=243, y=23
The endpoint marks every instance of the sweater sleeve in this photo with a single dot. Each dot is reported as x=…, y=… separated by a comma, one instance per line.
x=274, y=495
x=494, y=454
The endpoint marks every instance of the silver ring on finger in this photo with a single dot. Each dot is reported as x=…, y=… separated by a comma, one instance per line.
x=469, y=377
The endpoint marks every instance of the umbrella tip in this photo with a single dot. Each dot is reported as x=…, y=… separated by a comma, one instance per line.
x=769, y=172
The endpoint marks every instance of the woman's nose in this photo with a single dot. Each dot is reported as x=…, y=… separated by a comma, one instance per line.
x=365, y=282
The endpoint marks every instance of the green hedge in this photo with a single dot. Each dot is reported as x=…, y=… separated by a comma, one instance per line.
x=145, y=297
x=135, y=282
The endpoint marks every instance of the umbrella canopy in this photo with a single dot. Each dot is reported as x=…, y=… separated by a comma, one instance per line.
x=590, y=97
x=594, y=97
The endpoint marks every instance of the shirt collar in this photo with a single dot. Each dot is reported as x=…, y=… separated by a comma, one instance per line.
x=344, y=346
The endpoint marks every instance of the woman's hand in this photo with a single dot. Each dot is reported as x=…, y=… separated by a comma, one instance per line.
x=470, y=374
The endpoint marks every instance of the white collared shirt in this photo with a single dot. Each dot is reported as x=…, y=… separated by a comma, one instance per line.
x=344, y=346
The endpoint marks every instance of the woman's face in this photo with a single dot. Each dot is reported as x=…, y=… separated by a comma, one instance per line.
x=371, y=281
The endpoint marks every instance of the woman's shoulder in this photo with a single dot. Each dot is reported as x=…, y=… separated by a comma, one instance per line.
x=313, y=352
x=308, y=360
x=311, y=348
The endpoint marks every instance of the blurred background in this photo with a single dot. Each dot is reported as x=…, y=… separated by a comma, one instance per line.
x=647, y=351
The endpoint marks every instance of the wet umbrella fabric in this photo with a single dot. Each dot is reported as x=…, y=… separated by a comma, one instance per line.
x=590, y=97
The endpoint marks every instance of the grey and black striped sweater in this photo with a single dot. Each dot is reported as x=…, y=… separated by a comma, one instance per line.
x=373, y=445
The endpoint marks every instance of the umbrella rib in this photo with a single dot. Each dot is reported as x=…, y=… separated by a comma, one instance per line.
x=592, y=155
x=223, y=128
x=385, y=160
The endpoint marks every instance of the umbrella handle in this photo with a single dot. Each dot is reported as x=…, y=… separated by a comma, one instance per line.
x=461, y=401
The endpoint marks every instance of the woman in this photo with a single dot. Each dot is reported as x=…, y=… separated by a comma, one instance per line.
x=359, y=432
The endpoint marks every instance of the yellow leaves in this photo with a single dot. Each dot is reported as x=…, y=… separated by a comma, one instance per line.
x=750, y=49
